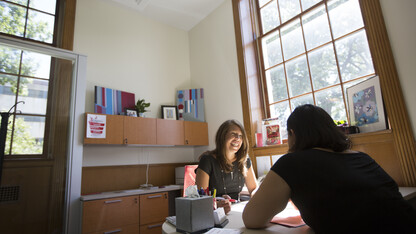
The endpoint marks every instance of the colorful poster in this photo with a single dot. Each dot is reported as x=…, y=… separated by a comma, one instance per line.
x=96, y=126
x=112, y=102
x=190, y=104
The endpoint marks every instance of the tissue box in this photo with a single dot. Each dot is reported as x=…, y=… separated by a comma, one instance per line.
x=194, y=215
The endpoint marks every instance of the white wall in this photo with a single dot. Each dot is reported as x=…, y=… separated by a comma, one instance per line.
x=214, y=67
x=400, y=17
x=129, y=52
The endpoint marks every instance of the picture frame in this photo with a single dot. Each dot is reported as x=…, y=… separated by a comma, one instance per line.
x=131, y=112
x=365, y=106
x=169, y=112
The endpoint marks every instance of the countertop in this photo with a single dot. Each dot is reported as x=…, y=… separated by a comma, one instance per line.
x=131, y=192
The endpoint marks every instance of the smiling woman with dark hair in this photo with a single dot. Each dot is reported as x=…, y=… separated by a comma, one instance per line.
x=336, y=190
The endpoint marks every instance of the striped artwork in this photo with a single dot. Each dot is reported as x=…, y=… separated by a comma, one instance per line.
x=112, y=102
x=190, y=104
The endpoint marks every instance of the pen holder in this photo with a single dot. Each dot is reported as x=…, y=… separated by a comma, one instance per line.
x=194, y=215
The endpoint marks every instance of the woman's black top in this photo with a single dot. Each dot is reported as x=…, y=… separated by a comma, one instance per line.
x=225, y=183
x=345, y=193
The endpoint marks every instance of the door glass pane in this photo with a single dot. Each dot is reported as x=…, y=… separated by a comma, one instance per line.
x=308, y=3
x=272, y=51
x=316, y=27
x=298, y=76
x=34, y=94
x=289, y=9
x=345, y=16
x=36, y=65
x=40, y=26
x=269, y=16
x=323, y=67
x=332, y=101
x=44, y=5
x=354, y=56
x=306, y=99
x=28, y=135
x=9, y=60
x=12, y=19
x=7, y=92
x=276, y=84
x=292, y=40
x=281, y=111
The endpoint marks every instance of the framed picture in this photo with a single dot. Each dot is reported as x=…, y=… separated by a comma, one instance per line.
x=365, y=106
x=131, y=112
x=170, y=112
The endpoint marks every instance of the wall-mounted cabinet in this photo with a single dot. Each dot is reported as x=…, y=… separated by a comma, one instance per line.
x=149, y=131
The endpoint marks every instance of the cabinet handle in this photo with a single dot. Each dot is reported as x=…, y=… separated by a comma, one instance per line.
x=115, y=231
x=125, y=141
x=186, y=141
x=155, y=196
x=154, y=226
x=112, y=201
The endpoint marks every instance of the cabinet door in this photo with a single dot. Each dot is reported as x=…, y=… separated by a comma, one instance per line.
x=153, y=228
x=113, y=133
x=109, y=214
x=170, y=132
x=138, y=130
x=196, y=133
x=154, y=208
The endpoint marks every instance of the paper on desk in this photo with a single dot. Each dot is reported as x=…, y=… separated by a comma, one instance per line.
x=223, y=231
x=289, y=217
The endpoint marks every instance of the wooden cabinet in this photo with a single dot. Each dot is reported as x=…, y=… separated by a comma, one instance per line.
x=114, y=130
x=196, y=133
x=154, y=208
x=149, y=131
x=170, y=132
x=109, y=215
x=139, y=130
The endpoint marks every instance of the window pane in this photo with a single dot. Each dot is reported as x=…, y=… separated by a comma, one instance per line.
x=7, y=92
x=292, y=40
x=12, y=19
x=323, y=66
x=308, y=3
x=262, y=2
x=34, y=94
x=269, y=16
x=9, y=60
x=40, y=26
x=298, y=76
x=316, y=28
x=28, y=135
x=332, y=101
x=281, y=111
x=276, y=84
x=288, y=9
x=44, y=5
x=295, y=102
x=354, y=56
x=345, y=16
x=272, y=51
x=37, y=65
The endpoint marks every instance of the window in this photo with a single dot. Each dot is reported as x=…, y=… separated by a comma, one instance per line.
x=25, y=79
x=310, y=52
x=31, y=19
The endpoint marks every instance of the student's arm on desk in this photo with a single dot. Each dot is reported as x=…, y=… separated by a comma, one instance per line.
x=271, y=198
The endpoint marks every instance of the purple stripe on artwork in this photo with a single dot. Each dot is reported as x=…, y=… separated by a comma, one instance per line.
x=202, y=93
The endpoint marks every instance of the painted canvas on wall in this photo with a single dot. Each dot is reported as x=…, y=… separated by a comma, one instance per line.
x=112, y=102
x=190, y=104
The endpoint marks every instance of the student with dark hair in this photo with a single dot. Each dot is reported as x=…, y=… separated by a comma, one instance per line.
x=227, y=168
x=336, y=190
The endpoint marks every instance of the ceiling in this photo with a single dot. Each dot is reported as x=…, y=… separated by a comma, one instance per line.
x=182, y=14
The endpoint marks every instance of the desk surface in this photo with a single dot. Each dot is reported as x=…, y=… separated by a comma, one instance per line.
x=236, y=221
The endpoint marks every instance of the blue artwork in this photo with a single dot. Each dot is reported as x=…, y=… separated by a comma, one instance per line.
x=365, y=106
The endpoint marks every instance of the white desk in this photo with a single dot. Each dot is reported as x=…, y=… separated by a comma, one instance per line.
x=236, y=221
